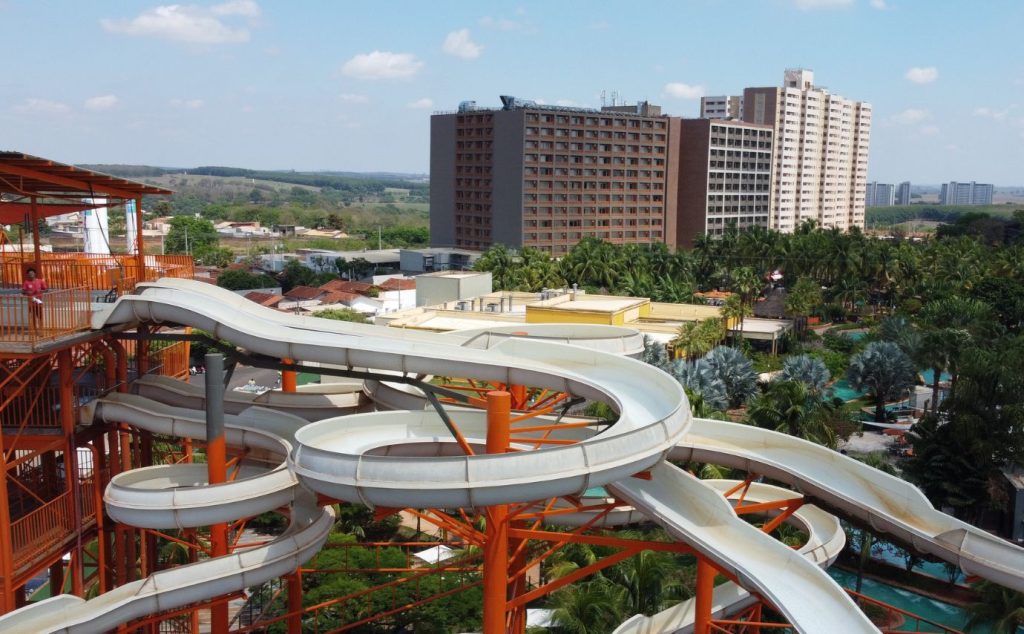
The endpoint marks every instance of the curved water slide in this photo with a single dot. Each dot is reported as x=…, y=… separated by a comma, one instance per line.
x=179, y=496
x=852, y=489
x=825, y=540
x=361, y=460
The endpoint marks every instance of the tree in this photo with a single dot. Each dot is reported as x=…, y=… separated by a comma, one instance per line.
x=188, y=235
x=503, y=265
x=802, y=298
x=244, y=280
x=654, y=354
x=213, y=256
x=737, y=373
x=700, y=378
x=1001, y=608
x=295, y=273
x=736, y=310
x=790, y=408
x=594, y=607
x=651, y=581
x=342, y=314
x=697, y=338
x=884, y=371
x=806, y=369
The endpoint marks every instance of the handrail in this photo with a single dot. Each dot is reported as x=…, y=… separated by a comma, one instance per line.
x=57, y=314
x=96, y=271
x=943, y=629
x=34, y=534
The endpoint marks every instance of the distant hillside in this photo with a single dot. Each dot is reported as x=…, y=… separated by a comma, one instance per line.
x=352, y=182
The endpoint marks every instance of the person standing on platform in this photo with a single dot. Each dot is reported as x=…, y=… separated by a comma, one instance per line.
x=33, y=287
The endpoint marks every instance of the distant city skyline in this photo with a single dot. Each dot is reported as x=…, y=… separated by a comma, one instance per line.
x=348, y=87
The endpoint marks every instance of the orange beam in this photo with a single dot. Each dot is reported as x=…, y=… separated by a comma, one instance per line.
x=499, y=407
x=705, y=593
x=289, y=379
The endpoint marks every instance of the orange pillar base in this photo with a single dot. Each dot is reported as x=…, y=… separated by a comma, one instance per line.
x=705, y=591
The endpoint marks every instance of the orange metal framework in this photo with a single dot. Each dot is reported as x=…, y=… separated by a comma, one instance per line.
x=51, y=495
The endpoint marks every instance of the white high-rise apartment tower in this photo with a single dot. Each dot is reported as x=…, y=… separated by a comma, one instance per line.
x=820, y=151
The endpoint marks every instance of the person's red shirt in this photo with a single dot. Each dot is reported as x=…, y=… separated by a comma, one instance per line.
x=33, y=288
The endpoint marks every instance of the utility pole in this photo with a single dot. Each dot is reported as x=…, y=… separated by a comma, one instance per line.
x=379, y=247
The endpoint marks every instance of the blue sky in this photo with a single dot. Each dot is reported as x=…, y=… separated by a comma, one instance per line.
x=351, y=85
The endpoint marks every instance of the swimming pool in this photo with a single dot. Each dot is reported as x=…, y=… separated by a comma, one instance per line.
x=842, y=389
x=931, y=609
x=929, y=376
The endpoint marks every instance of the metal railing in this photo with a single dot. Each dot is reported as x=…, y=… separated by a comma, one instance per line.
x=93, y=271
x=39, y=531
x=56, y=314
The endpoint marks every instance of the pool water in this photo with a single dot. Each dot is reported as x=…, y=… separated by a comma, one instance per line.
x=842, y=389
x=856, y=335
x=931, y=609
x=929, y=376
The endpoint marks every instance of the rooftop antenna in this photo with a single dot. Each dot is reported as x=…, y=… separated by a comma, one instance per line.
x=604, y=95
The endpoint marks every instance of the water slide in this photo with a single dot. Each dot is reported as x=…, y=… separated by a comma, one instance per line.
x=854, y=490
x=178, y=496
x=400, y=459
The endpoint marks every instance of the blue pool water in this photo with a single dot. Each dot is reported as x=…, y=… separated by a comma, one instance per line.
x=929, y=376
x=843, y=390
x=937, y=611
x=856, y=335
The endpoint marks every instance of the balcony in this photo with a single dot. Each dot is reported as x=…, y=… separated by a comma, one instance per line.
x=79, y=284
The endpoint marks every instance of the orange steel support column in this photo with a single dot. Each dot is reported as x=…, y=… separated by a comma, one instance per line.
x=295, y=603
x=499, y=408
x=289, y=379
x=67, y=423
x=7, y=601
x=37, y=259
x=705, y=591
x=216, y=467
x=519, y=394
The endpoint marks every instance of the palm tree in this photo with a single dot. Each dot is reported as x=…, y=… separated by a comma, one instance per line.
x=594, y=607
x=735, y=310
x=790, y=408
x=736, y=372
x=1000, y=607
x=700, y=378
x=884, y=370
x=651, y=581
x=810, y=371
x=503, y=265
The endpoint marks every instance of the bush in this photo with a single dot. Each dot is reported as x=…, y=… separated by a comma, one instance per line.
x=243, y=280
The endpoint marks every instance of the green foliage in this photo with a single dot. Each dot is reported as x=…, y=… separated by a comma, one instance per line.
x=697, y=338
x=244, y=280
x=737, y=373
x=884, y=371
x=295, y=273
x=342, y=314
x=790, y=407
x=808, y=370
x=193, y=234
x=1002, y=609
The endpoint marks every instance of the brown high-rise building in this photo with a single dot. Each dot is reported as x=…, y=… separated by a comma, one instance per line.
x=547, y=177
x=725, y=177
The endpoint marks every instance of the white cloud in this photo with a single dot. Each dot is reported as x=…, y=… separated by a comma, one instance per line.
x=822, y=4
x=879, y=4
x=186, y=104
x=911, y=116
x=103, y=102
x=425, y=103
x=189, y=23
x=499, y=23
x=42, y=106
x=382, y=65
x=922, y=74
x=348, y=97
x=992, y=113
x=459, y=44
x=930, y=130
x=680, y=90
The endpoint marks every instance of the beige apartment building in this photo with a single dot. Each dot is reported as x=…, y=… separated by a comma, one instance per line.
x=821, y=150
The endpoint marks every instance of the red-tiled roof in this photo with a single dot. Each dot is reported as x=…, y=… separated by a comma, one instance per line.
x=396, y=284
x=264, y=299
x=304, y=293
x=339, y=297
x=346, y=286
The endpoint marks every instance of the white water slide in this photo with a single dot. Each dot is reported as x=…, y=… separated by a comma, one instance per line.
x=400, y=459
